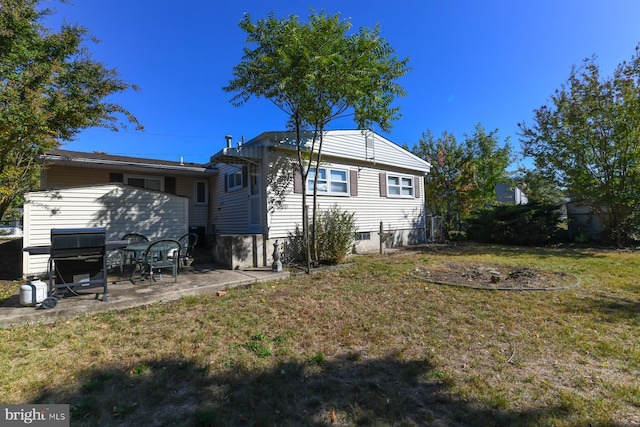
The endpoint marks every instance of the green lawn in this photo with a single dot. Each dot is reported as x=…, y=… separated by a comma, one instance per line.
x=365, y=344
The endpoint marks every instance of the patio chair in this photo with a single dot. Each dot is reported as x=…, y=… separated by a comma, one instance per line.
x=187, y=243
x=134, y=238
x=128, y=258
x=161, y=254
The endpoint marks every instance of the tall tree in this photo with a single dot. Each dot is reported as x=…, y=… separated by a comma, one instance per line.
x=538, y=187
x=588, y=140
x=447, y=182
x=50, y=89
x=463, y=175
x=489, y=165
x=316, y=72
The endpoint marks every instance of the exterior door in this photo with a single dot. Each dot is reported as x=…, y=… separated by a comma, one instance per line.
x=255, y=205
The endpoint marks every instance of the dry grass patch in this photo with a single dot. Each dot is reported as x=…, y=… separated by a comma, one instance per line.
x=369, y=344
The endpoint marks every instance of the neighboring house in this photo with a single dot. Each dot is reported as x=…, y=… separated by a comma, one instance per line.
x=585, y=224
x=248, y=197
x=509, y=194
x=10, y=229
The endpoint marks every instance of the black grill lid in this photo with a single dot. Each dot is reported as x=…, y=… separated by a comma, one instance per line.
x=77, y=238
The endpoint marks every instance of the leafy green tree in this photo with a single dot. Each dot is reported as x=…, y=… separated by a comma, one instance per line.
x=587, y=139
x=488, y=167
x=447, y=183
x=463, y=175
x=50, y=89
x=538, y=187
x=316, y=72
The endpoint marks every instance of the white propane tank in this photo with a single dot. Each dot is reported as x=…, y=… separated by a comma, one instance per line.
x=33, y=292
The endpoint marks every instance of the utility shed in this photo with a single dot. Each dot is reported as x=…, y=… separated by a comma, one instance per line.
x=119, y=208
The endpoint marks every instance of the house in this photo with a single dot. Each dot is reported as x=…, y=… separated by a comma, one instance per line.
x=585, y=223
x=64, y=169
x=248, y=196
x=509, y=194
x=258, y=195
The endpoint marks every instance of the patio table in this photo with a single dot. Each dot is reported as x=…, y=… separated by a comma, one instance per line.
x=136, y=252
x=133, y=252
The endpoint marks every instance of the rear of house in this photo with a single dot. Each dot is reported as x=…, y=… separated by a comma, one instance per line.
x=248, y=197
x=65, y=169
x=259, y=193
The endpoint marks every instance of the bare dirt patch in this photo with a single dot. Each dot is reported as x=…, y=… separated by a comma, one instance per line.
x=494, y=276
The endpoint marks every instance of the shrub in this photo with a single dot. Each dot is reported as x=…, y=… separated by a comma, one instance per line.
x=530, y=224
x=335, y=230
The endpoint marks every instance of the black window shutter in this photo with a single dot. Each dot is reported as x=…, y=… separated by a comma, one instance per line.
x=245, y=176
x=170, y=184
x=116, y=177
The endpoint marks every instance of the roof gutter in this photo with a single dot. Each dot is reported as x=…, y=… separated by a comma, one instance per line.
x=46, y=158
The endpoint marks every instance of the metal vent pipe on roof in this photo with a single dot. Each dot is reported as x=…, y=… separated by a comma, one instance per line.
x=228, y=138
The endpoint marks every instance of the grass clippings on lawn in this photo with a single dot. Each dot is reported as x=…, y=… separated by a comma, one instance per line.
x=369, y=344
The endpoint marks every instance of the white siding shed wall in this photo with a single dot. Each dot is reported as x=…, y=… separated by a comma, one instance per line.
x=119, y=208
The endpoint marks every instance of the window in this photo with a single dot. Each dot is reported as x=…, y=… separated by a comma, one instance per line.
x=202, y=193
x=234, y=180
x=362, y=236
x=148, y=182
x=399, y=186
x=330, y=181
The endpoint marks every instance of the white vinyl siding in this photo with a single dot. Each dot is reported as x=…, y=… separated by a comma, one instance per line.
x=230, y=212
x=358, y=146
x=67, y=176
x=370, y=208
x=198, y=213
x=120, y=209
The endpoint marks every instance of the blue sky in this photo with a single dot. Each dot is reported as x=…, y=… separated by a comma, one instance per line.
x=491, y=62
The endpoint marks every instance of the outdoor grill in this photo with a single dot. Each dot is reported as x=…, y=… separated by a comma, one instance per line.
x=78, y=260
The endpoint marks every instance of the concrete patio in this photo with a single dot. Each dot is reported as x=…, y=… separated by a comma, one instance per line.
x=200, y=280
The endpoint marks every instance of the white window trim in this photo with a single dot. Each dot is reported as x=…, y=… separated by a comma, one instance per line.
x=237, y=173
x=328, y=174
x=400, y=178
x=145, y=177
x=206, y=193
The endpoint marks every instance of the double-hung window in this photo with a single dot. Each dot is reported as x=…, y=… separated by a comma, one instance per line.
x=400, y=186
x=234, y=180
x=331, y=181
x=148, y=182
